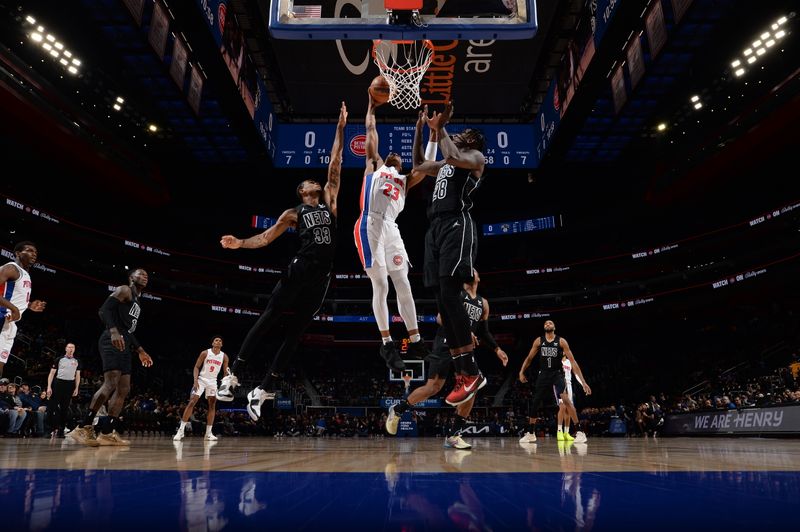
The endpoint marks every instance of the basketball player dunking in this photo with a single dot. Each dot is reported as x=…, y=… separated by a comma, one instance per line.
x=450, y=243
x=299, y=294
x=551, y=374
x=439, y=363
x=15, y=296
x=380, y=246
x=210, y=364
x=120, y=314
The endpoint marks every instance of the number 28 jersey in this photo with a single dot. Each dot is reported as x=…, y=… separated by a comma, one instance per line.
x=316, y=227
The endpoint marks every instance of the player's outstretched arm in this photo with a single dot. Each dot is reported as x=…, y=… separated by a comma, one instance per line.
x=285, y=221
x=575, y=367
x=331, y=189
x=373, y=159
x=527, y=362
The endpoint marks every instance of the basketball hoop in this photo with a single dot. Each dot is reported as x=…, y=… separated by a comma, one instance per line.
x=403, y=64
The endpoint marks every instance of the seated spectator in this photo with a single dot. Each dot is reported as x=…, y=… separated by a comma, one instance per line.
x=16, y=413
x=34, y=408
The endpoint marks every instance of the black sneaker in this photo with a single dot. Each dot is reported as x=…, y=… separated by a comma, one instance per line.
x=418, y=350
x=391, y=355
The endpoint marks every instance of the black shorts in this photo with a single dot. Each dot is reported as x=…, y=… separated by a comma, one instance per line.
x=439, y=361
x=549, y=387
x=114, y=359
x=451, y=246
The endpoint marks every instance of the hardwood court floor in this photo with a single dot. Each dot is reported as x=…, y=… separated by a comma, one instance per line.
x=394, y=484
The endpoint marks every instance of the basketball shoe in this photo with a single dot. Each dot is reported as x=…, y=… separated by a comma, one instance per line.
x=580, y=437
x=255, y=400
x=226, y=387
x=529, y=437
x=392, y=421
x=465, y=389
x=418, y=350
x=391, y=356
x=455, y=442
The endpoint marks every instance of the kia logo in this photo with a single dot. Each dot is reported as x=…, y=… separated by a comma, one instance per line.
x=358, y=145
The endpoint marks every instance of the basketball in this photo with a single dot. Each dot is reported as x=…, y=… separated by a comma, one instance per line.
x=379, y=89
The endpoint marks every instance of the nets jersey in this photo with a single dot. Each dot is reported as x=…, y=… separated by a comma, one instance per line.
x=316, y=227
x=474, y=308
x=383, y=193
x=17, y=292
x=452, y=191
x=212, y=365
x=551, y=354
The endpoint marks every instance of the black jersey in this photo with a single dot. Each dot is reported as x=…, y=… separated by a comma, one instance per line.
x=550, y=355
x=474, y=308
x=126, y=315
x=451, y=193
x=316, y=227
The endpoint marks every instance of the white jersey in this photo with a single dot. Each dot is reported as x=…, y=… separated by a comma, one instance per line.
x=212, y=365
x=18, y=292
x=567, y=365
x=383, y=193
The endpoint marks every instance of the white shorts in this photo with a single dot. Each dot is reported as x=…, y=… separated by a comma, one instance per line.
x=7, y=336
x=379, y=244
x=568, y=389
x=209, y=386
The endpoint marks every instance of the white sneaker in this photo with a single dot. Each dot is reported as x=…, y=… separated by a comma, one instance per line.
x=226, y=387
x=178, y=436
x=392, y=421
x=580, y=437
x=255, y=400
x=455, y=442
x=528, y=438
x=210, y=437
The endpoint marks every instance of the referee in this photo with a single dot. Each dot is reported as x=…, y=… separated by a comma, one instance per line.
x=62, y=385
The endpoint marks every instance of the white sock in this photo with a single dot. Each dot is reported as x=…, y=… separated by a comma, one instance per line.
x=208, y=428
x=183, y=425
x=415, y=338
x=387, y=340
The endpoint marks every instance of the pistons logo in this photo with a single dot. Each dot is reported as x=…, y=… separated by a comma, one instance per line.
x=358, y=145
x=398, y=260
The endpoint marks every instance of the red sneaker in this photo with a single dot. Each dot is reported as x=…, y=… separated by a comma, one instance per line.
x=466, y=388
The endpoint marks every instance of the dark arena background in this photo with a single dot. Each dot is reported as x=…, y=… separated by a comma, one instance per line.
x=639, y=190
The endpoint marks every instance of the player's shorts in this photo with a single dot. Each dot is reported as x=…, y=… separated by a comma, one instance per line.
x=113, y=359
x=548, y=384
x=569, y=391
x=379, y=243
x=451, y=246
x=439, y=361
x=207, y=386
x=7, y=335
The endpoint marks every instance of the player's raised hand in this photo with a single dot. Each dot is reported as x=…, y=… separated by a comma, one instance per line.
x=343, y=115
x=422, y=116
x=446, y=115
x=230, y=242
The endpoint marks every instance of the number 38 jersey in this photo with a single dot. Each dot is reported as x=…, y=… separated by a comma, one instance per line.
x=383, y=193
x=316, y=227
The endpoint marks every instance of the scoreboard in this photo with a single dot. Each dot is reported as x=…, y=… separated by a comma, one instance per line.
x=309, y=145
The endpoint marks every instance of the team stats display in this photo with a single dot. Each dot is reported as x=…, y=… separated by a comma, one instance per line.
x=308, y=145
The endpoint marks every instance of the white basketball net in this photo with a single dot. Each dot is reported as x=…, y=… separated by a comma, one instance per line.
x=403, y=63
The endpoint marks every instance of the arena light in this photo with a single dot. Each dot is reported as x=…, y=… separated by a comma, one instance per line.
x=72, y=70
x=36, y=37
x=117, y=107
x=120, y=99
x=152, y=128
x=695, y=98
x=739, y=72
x=63, y=61
x=780, y=34
x=770, y=43
x=662, y=126
x=761, y=51
x=736, y=63
x=698, y=105
x=751, y=59
x=764, y=36
x=54, y=53
x=47, y=46
x=50, y=38
x=58, y=45
x=67, y=53
x=756, y=43
x=782, y=20
x=30, y=19
x=76, y=61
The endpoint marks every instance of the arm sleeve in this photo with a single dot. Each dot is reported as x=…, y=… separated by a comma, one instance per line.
x=135, y=345
x=107, y=311
x=430, y=151
x=485, y=335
